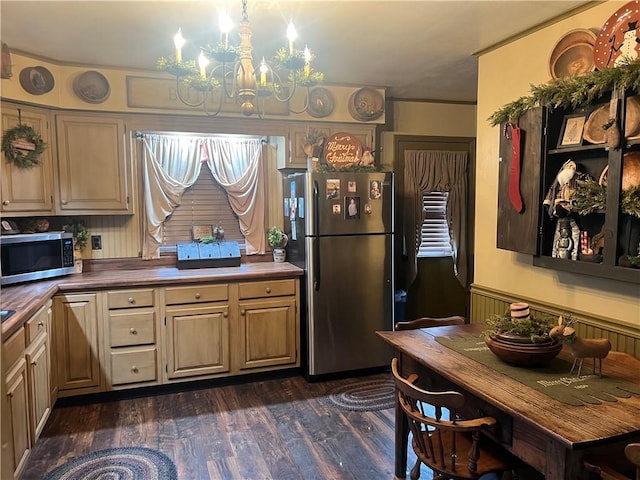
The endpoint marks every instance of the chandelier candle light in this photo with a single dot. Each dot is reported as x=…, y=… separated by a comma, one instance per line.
x=225, y=71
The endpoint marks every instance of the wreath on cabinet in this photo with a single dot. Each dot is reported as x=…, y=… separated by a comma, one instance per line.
x=23, y=146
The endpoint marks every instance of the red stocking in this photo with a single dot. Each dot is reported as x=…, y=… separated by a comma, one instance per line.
x=514, y=175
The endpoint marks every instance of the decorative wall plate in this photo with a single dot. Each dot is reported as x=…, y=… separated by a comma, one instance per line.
x=321, y=102
x=366, y=104
x=36, y=80
x=92, y=87
x=573, y=54
x=618, y=37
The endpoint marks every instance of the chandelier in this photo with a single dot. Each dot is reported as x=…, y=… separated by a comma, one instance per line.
x=224, y=71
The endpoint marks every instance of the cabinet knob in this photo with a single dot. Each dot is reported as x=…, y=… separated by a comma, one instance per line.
x=131, y=300
x=34, y=363
x=64, y=202
x=225, y=314
x=41, y=324
x=6, y=202
x=268, y=290
x=134, y=369
x=133, y=331
x=242, y=312
x=197, y=295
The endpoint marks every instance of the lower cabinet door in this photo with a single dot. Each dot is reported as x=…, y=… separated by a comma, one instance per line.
x=18, y=404
x=268, y=332
x=38, y=359
x=197, y=340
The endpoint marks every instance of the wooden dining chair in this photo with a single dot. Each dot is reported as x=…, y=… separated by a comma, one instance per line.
x=453, y=449
x=613, y=467
x=426, y=322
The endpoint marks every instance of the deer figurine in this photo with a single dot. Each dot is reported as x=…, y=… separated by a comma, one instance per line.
x=580, y=348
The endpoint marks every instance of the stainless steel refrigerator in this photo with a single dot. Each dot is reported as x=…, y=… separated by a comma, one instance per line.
x=340, y=228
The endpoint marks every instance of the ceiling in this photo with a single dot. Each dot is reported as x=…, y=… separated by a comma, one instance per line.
x=418, y=49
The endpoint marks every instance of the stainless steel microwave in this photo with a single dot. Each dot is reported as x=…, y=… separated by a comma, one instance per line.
x=35, y=256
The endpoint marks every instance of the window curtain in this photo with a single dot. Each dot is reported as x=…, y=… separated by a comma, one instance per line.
x=436, y=171
x=235, y=165
x=172, y=163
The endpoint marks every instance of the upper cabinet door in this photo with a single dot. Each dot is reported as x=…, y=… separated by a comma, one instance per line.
x=95, y=174
x=27, y=190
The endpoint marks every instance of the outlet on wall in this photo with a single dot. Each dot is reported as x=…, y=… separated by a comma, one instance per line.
x=96, y=242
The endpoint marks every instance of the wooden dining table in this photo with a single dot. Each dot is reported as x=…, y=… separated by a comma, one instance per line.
x=549, y=435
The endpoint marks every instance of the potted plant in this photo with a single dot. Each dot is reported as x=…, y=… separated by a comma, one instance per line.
x=277, y=240
x=80, y=239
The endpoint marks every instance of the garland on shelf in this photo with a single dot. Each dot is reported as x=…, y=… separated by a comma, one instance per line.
x=573, y=92
x=589, y=196
x=23, y=146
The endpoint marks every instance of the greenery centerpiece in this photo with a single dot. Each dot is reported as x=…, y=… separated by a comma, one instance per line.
x=522, y=341
x=535, y=328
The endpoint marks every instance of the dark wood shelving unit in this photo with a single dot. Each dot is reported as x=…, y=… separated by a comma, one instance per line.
x=532, y=230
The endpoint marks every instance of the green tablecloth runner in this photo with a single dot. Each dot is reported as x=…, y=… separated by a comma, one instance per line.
x=553, y=379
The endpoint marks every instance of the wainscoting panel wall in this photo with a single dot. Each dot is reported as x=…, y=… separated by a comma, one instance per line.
x=624, y=338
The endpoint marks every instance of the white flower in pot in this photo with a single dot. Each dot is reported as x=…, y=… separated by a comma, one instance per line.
x=277, y=240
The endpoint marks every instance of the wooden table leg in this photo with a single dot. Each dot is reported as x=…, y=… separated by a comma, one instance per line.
x=402, y=433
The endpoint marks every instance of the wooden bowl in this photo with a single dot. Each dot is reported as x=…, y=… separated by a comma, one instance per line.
x=524, y=354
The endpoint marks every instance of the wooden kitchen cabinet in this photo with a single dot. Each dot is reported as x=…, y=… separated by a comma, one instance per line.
x=16, y=437
x=18, y=406
x=131, y=339
x=39, y=369
x=77, y=348
x=197, y=331
x=38, y=364
x=268, y=324
x=95, y=174
x=28, y=191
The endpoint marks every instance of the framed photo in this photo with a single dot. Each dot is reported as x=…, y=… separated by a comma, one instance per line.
x=200, y=231
x=571, y=132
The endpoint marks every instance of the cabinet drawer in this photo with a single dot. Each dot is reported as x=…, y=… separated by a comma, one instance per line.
x=133, y=366
x=132, y=327
x=13, y=349
x=197, y=294
x=37, y=324
x=273, y=288
x=131, y=298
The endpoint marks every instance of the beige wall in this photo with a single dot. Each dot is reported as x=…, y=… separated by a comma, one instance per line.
x=505, y=74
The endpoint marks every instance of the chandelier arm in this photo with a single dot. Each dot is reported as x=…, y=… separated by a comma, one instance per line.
x=187, y=102
x=306, y=103
x=218, y=110
x=292, y=91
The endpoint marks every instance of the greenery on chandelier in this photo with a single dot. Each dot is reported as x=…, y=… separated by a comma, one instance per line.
x=23, y=158
x=179, y=69
x=572, y=93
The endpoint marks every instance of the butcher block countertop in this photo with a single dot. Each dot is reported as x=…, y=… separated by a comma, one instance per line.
x=27, y=298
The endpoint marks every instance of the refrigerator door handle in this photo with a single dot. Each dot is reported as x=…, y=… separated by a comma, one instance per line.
x=316, y=229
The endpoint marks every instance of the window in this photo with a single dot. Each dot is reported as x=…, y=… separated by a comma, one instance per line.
x=203, y=203
x=436, y=241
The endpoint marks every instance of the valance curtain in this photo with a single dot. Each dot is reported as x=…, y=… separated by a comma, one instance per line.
x=436, y=171
x=172, y=163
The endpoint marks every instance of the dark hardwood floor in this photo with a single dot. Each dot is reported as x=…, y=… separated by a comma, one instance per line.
x=284, y=428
